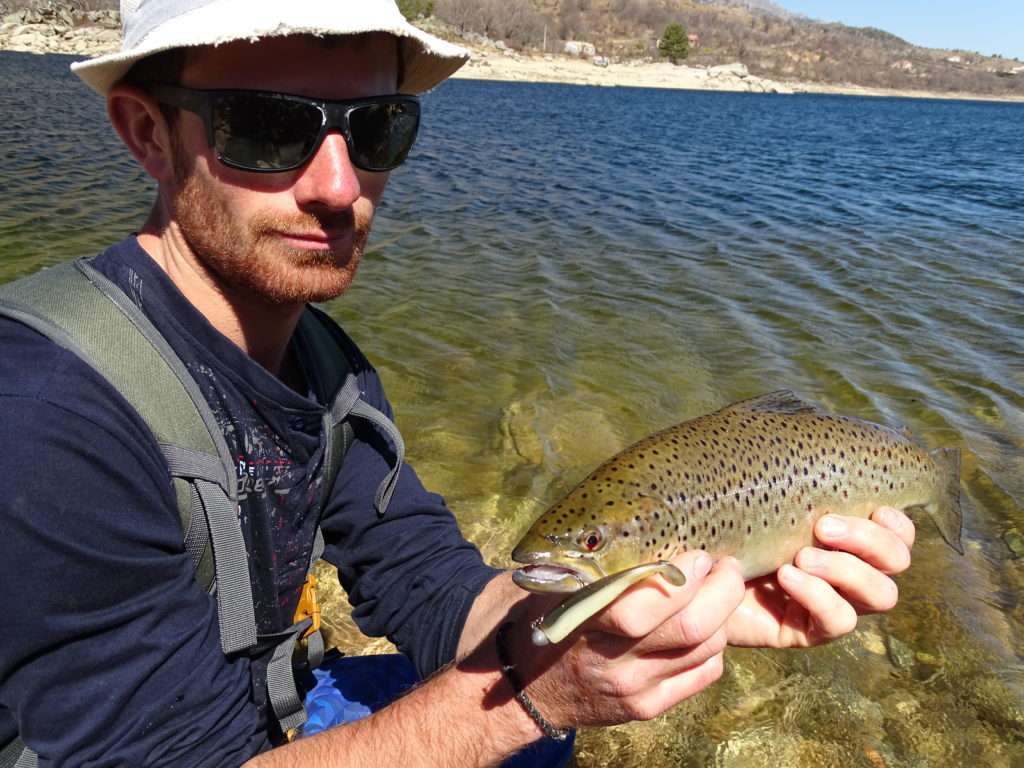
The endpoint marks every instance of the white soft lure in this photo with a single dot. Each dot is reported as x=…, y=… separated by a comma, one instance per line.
x=581, y=605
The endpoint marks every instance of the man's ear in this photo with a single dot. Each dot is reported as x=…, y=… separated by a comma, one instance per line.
x=141, y=124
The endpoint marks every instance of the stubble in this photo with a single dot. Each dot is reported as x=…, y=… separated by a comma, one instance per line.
x=250, y=256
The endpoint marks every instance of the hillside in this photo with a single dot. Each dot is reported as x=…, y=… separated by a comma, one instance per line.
x=770, y=41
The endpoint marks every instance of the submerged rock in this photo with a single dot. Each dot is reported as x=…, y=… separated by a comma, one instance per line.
x=767, y=748
x=900, y=654
x=872, y=641
x=1014, y=542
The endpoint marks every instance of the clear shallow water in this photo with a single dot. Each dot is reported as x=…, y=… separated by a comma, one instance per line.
x=561, y=270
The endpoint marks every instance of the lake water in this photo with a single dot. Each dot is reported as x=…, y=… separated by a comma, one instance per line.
x=559, y=271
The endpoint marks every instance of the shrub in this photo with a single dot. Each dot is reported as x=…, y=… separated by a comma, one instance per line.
x=413, y=9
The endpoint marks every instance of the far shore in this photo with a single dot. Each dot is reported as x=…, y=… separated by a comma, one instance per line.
x=506, y=65
x=511, y=66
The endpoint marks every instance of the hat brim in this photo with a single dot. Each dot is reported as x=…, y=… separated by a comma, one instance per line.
x=427, y=60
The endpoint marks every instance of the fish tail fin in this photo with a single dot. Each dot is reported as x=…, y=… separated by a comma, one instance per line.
x=944, y=509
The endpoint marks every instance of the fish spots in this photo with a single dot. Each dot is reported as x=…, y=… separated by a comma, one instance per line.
x=719, y=478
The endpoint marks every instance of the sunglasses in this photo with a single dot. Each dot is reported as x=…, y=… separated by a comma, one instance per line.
x=269, y=132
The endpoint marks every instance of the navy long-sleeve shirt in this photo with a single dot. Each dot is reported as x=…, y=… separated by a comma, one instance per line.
x=109, y=649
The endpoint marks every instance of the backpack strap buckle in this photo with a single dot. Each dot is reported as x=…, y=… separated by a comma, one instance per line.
x=308, y=607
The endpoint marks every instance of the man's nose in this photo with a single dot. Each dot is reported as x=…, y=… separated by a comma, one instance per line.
x=329, y=179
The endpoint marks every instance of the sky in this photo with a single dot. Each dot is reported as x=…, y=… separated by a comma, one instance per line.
x=987, y=26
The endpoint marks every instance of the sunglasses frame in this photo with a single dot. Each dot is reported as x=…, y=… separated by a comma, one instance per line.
x=334, y=114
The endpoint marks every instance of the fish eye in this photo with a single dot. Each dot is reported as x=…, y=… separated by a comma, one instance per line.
x=591, y=540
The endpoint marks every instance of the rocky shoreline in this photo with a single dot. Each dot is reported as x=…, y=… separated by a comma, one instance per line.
x=61, y=29
x=58, y=28
x=515, y=67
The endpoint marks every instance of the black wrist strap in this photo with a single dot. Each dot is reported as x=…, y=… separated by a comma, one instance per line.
x=508, y=669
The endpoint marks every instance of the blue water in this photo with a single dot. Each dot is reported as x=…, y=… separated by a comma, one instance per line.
x=560, y=270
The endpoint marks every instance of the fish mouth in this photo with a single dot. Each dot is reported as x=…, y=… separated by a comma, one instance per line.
x=541, y=573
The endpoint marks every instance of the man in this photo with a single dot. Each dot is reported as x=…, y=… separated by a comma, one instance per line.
x=111, y=653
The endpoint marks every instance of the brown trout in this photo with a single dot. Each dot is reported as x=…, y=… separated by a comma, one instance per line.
x=748, y=481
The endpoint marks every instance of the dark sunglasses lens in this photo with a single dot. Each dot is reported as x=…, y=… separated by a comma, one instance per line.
x=383, y=133
x=262, y=132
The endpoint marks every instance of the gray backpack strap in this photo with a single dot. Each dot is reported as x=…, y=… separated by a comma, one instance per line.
x=82, y=311
x=17, y=755
x=350, y=403
x=331, y=369
x=235, y=610
x=281, y=689
x=315, y=641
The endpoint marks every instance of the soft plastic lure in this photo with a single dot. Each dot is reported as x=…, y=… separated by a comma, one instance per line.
x=581, y=605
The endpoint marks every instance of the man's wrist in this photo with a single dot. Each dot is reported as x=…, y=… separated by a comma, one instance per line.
x=467, y=713
x=508, y=669
x=510, y=725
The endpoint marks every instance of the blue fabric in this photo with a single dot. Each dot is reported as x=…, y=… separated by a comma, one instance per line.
x=350, y=688
x=109, y=650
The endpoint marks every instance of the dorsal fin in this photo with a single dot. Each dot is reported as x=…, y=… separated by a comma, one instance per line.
x=782, y=401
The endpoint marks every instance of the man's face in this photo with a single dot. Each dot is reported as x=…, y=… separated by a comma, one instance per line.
x=294, y=236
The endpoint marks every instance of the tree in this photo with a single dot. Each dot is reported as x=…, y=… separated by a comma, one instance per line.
x=674, y=44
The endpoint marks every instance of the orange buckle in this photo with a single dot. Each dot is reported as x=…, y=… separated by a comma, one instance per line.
x=308, y=607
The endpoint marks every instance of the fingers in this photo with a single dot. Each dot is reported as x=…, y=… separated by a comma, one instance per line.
x=687, y=636
x=647, y=605
x=870, y=590
x=689, y=616
x=828, y=615
x=631, y=676
x=619, y=704
x=719, y=595
x=897, y=522
x=886, y=546
x=672, y=690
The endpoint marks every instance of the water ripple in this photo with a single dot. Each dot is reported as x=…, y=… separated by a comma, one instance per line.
x=570, y=268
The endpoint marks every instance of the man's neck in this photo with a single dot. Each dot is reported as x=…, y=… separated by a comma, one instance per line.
x=260, y=328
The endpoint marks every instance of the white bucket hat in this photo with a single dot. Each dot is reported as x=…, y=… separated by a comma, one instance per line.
x=152, y=26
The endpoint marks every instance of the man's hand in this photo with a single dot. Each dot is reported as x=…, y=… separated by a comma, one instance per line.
x=642, y=655
x=819, y=598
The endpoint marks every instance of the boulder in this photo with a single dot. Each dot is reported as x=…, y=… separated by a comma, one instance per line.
x=735, y=69
x=107, y=36
x=27, y=41
x=577, y=48
x=17, y=17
